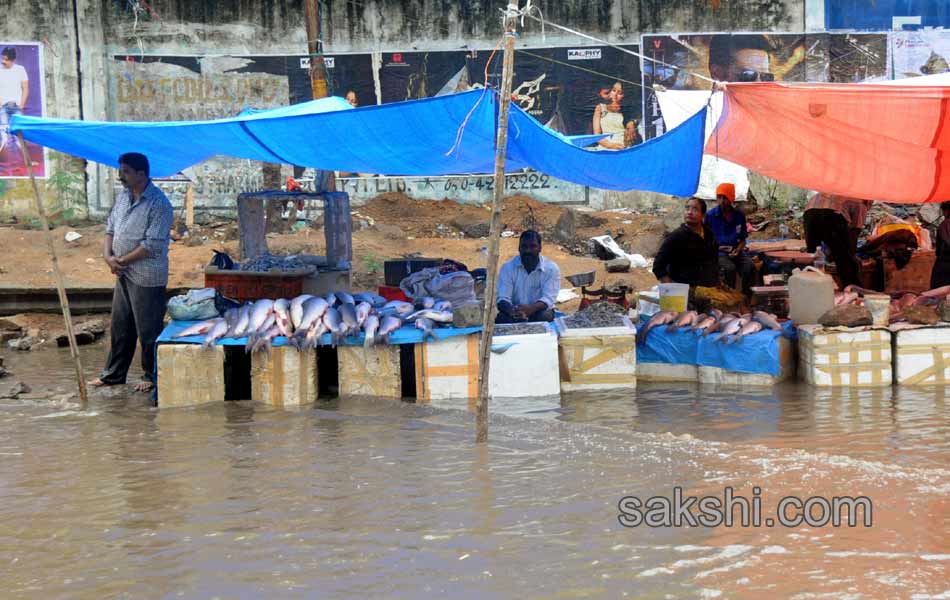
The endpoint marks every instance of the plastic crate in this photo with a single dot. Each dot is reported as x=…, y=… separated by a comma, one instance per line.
x=391, y=293
x=249, y=285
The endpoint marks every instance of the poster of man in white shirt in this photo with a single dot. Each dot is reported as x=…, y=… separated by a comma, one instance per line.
x=21, y=92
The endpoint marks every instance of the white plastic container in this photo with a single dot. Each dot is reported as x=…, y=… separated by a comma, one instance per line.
x=597, y=358
x=921, y=354
x=673, y=296
x=524, y=365
x=447, y=369
x=856, y=356
x=811, y=294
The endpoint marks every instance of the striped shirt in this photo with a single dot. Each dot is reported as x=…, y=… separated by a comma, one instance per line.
x=145, y=223
x=518, y=286
x=854, y=211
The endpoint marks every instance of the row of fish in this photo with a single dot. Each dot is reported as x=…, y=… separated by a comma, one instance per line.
x=305, y=319
x=731, y=328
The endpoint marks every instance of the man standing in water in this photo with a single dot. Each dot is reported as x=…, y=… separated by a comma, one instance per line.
x=136, y=250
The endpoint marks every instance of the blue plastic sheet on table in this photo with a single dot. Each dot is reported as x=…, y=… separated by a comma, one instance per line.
x=405, y=335
x=678, y=347
x=756, y=353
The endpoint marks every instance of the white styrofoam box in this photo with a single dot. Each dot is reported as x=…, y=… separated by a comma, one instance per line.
x=524, y=365
x=667, y=372
x=921, y=354
x=719, y=376
x=597, y=358
x=856, y=356
x=447, y=368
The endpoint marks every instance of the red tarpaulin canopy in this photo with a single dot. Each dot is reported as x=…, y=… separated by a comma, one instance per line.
x=877, y=142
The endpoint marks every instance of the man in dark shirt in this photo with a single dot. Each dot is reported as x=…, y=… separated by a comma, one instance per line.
x=689, y=254
x=728, y=223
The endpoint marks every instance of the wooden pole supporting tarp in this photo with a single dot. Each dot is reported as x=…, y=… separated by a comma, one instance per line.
x=494, y=235
x=57, y=274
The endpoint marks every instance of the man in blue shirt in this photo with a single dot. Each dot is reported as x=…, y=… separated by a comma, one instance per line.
x=528, y=284
x=729, y=226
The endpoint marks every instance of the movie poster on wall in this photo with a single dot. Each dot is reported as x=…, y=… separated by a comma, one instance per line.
x=917, y=53
x=22, y=91
x=573, y=90
x=689, y=61
x=415, y=75
x=349, y=76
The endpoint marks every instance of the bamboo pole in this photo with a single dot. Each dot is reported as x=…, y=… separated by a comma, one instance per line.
x=60, y=287
x=494, y=235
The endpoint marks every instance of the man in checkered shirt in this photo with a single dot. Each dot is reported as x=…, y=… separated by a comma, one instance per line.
x=136, y=250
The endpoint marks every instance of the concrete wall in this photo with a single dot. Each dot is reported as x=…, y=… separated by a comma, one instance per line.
x=135, y=88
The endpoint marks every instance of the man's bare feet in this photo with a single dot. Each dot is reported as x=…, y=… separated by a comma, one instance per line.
x=97, y=383
x=144, y=386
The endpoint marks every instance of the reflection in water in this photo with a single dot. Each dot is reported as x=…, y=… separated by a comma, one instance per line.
x=380, y=498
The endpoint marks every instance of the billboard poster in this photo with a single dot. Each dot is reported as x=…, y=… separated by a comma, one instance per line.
x=21, y=92
x=688, y=61
x=857, y=57
x=415, y=75
x=917, y=53
x=574, y=90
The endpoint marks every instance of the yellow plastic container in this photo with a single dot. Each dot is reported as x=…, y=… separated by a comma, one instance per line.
x=673, y=296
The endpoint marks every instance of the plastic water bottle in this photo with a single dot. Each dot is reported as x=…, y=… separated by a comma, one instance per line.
x=820, y=260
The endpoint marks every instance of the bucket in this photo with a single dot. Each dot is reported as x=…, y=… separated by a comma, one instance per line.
x=673, y=296
x=879, y=305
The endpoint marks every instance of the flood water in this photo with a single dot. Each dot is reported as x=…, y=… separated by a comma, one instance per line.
x=364, y=498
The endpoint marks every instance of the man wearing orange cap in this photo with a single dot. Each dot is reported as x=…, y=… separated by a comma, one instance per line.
x=729, y=225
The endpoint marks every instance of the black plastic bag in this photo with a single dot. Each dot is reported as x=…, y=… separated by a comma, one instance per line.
x=222, y=261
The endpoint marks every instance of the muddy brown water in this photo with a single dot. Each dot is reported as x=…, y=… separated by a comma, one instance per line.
x=370, y=498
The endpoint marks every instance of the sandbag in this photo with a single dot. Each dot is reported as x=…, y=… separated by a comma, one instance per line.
x=196, y=305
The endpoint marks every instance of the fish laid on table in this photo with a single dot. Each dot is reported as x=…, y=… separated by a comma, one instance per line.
x=282, y=312
x=252, y=336
x=684, y=319
x=396, y=307
x=730, y=328
x=432, y=314
x=661, y=318
x=239, y=326
x=344, y=298
x=704, y=324
x=348, y=316
x=199, y=328
x=263, y=341
x=374, y=300
x=259, y=313
x=363, y=309
x=214, y=334
x=388, y=325
x=370, y=327
x=767, y=319
x=334, y=324
x=747, y=329
x=313, y=309
x=296, y=309
x=426, y=325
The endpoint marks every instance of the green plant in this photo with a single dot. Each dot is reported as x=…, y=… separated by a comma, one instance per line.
x=66, y=186
x=372, y=264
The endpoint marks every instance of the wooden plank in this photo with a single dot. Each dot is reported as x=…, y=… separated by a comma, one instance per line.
x=284, y=377
x=190, y=207
x=253, y=238
x=370, y=371
x=189, y=375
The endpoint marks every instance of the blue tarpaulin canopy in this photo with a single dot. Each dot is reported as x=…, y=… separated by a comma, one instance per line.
x=445, y=135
